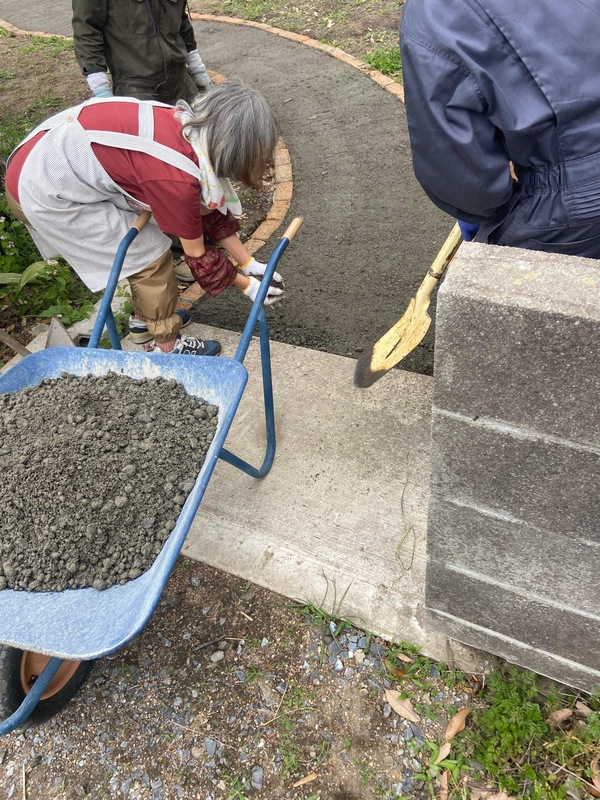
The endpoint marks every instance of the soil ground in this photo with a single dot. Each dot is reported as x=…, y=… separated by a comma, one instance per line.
x=232, y=692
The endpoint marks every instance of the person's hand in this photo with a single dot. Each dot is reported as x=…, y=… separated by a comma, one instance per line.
x=103, y=93
x=274, y=295
x=201, y=79
x=99, y=84
x=468, y=229
x=197, y=70
x=257, y=269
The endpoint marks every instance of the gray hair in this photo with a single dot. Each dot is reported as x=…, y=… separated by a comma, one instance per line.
x=240, y=127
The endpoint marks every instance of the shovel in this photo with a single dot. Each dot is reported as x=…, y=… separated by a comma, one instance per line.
x=410, y=329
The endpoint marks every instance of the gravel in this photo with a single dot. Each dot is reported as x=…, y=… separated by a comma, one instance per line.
x=158, y=722
x=95, y=472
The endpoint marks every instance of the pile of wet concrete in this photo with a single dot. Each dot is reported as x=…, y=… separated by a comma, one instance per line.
x=95, y=471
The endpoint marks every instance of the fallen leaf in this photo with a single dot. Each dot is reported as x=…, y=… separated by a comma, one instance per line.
x=402, y=707
x=305, y=779
x=444, y=785
x=584, y=710
x=398, y=673
x=595, y=775
x=444, y=752
x=406, y=659
x=559, y=716
x=456, y=724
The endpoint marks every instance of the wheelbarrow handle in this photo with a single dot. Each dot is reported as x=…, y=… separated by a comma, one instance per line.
x=292, y=229
x=142, y=221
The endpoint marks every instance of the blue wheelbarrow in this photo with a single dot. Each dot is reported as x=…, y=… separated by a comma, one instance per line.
x=49, y=640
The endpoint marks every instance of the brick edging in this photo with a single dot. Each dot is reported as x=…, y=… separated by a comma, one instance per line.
x=387, y=83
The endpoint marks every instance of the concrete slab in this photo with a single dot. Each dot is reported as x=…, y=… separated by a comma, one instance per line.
x=340, y=521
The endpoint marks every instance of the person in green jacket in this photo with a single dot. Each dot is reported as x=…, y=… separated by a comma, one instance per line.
x=147, y=46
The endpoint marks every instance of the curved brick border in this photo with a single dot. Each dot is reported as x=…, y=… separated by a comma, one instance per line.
x=282, y=197
x=387, y=83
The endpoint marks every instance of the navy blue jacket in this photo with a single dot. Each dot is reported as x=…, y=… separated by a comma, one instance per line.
x=492, y=81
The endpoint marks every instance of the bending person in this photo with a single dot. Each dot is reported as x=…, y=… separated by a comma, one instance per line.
x=80, y=178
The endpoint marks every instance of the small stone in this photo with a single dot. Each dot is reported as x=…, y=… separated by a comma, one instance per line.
x=257, y=777
x=217, y=656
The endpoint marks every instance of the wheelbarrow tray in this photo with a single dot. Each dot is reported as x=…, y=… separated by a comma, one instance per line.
x=83, y=624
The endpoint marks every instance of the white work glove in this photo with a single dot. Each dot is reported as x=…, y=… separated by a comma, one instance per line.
x=197, y=70
x=99, y=84
x=274, y=295
x=254, y=267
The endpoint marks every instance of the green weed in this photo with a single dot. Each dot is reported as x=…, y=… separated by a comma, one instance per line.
x=297, y=696
x=251, y=673
x=247, y=9
x=53, y=45
x=236, y=788
x=290, y=763
x=511, y=739
x=386, y=61
x=30, y=287
x=365, y=770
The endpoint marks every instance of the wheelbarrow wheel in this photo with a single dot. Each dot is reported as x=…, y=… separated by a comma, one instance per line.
x=18, y=671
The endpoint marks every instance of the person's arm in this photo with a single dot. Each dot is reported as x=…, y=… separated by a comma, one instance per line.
x=89, y=19
x=186, y=31
x=194, y=61
x=458, y=154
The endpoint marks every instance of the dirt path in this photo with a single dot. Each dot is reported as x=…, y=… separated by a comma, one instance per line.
x=369, y=232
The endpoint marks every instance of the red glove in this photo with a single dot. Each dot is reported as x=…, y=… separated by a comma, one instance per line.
x=217, y=226
x=213, y=270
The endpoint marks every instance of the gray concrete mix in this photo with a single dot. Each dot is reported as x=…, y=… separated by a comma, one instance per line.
x=95, y=473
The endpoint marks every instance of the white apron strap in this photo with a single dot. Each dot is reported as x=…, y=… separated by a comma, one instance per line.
x=126, y=141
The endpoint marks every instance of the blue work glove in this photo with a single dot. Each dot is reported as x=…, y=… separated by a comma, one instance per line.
x=103, y=93
x=99, y=84
x=468, y=229
x=201, y=79
x=197, y=70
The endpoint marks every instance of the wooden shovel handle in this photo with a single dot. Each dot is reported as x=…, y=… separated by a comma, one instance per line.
x=439, y=266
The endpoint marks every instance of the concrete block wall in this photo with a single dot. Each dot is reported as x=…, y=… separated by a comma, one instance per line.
x=513, y=538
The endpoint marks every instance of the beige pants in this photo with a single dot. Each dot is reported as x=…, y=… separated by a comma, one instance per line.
x=153, y=289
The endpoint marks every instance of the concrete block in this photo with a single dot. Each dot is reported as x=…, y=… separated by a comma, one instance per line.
x=521, y=615
x=542, y=481
x=585, y=678
x=562, y=569
x=517, y=335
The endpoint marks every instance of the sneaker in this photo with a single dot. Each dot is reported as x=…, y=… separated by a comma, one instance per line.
x=182, y=272
x=138, y=330
x=190, y=346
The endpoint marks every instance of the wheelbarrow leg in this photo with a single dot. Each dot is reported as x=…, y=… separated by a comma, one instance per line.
x=32, y=698
x=265, y=359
